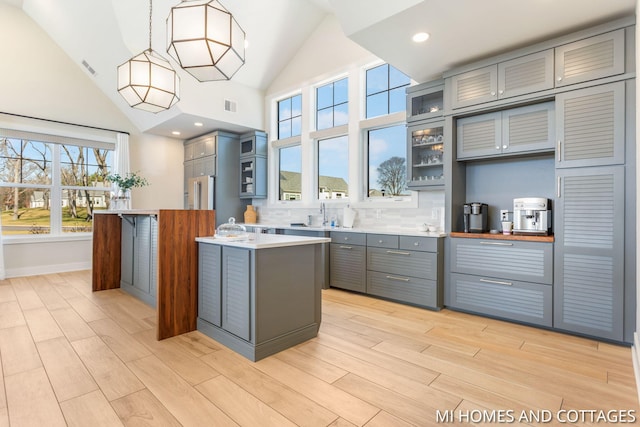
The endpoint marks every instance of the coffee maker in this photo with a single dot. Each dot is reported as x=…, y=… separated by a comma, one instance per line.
x=532, y=215
x=475, y=217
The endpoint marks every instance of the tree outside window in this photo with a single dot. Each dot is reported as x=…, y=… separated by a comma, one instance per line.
x=387, y=171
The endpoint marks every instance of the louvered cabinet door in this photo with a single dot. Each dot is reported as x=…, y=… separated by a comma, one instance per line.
x=236, y=292
x=209, y=283
x=474, y=87
x=530, y=128
x=589, y=256
x=348, y=266
x=527, y=74
x=590, y=126
x=589, y=59
x=479, y=136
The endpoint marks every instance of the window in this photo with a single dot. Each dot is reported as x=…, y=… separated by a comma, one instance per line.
x=332, y=108
x=289, y=117
x=51, y=188
x=387, y=169
x=385, y=91
x=333, y=168
x=290, y=181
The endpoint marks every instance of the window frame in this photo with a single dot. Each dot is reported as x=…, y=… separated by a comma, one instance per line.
x=289, y=119
x=387, y=90
x=56, y=188
x=333, y=105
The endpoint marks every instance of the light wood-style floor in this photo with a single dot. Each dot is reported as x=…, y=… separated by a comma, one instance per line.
x=73, y=357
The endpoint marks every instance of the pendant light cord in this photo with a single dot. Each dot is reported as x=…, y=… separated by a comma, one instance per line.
x=150, y=16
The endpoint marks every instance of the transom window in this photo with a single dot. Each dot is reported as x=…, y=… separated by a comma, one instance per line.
x=290, y=117
x=385, y=90
x=332, y=107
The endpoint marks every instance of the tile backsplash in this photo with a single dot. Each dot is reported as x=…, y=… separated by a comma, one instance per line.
x=430, y=210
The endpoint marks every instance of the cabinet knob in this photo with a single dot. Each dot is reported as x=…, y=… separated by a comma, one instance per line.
x=416, y=243
x=559, y=78
x=504, y=147
x=497, y=147
x=493, y=94
x=501, y=92
x=380, y=241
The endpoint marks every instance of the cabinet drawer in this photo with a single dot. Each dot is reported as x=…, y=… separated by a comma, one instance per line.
x=425, y=244
x=515, y=260
x=520, y=301
x=405, y=263
x=383, y=241
x=402, y=288
x=350, y=238
x=348, y=267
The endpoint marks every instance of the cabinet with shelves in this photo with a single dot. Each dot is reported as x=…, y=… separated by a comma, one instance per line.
x=514, y=131
x=425, y=162
x=253, y=165
x=425, y=101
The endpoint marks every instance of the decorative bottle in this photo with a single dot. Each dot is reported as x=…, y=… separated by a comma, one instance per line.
x=250, y=215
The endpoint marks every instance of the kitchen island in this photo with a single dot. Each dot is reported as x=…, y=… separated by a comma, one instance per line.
x=259, y=296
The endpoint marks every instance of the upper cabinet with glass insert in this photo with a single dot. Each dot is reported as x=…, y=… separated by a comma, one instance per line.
x=425, y=101
x=425, y=151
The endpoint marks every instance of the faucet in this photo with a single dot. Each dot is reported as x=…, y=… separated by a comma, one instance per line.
x=323, y=211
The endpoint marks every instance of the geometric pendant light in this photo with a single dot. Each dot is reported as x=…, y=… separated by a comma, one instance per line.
x=147, y=81
x=205, y=39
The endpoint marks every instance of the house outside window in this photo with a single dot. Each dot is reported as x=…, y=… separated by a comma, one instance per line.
x=333, y=168
x=332, y=104
x=51, y=188
x=385, y=90
x=290, y=117
x=290, y=173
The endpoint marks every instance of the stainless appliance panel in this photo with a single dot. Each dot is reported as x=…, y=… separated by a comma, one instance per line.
x=201, y=193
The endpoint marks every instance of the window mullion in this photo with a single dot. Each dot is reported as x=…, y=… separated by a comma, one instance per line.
x=56, y=193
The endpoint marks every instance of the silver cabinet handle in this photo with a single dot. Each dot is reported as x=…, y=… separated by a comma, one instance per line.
x=380, y=241
x=559, y=151
x=497, y=282
x=558, y=190
x=400, y=279
x=399, y=253
x=496, y=243
x=346, y=247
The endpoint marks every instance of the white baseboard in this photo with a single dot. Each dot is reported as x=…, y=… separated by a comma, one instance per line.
x=635, y=355
x=47, y=269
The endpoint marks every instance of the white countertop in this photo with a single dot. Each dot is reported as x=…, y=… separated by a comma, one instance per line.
x=264, y=241
x=402, y=231
x=128, y=211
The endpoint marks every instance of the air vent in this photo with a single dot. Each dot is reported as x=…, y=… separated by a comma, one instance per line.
x=88, y=67
x=230, y=106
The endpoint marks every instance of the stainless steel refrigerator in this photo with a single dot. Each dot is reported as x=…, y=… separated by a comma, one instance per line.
x=202, y=193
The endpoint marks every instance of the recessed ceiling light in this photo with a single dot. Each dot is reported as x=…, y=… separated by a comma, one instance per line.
x=420, y=37
x=198, y=124
x=175, y=132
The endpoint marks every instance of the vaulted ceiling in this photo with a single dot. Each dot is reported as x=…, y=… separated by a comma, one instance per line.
x=106, y=33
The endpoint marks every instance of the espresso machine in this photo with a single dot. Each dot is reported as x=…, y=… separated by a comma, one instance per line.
x=532, y=215
x=475, y=217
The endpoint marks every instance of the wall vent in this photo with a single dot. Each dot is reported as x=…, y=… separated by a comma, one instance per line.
x=88, y=67
x=230, y=106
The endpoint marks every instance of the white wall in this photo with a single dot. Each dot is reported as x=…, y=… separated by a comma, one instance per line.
x=38, y=79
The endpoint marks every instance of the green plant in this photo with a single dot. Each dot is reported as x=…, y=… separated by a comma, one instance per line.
x=130, y=180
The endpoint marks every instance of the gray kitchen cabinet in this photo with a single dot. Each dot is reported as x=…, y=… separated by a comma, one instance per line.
x=236, y=292
x=139, y=240
x=591, y=58
x=591, y=126
x=253, y=165
x=209, y=289
x=425, y=160
x=507, y=299
x=347, y=261
x=405, y=268
x=253, y=308
x=590, y=251
x=199, y=147
x=322, y=252
x=519, y=76
x=503, y=278
x=425, y=101
x=527, y=129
